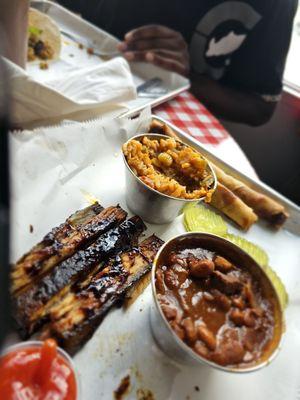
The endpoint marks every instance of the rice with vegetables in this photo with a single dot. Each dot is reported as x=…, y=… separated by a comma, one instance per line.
x=170, y=167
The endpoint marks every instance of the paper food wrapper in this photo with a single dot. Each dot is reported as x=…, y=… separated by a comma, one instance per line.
x=79, y=94
x=54, y=172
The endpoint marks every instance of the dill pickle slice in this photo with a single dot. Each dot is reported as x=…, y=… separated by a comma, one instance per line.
x=198, y=218
x=278, y=285
x=256, y=252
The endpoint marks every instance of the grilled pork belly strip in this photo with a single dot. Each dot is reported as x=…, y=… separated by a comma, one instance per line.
x=136, y=290
x=30, y=305
x=80, y=312
x=78, y=231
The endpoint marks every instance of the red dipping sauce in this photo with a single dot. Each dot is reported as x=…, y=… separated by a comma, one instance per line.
x=37, y=371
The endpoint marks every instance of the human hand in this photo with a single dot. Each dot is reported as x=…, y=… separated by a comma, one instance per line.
x=158, y=45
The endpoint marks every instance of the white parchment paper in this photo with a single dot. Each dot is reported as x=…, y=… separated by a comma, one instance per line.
x=52, y=171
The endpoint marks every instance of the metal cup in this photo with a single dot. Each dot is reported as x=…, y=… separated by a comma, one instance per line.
x=167, y=339
x=152, y=206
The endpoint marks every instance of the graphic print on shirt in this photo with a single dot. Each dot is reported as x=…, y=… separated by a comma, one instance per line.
x=220, y=33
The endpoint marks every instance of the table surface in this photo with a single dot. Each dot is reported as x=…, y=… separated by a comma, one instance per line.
x=188, y=114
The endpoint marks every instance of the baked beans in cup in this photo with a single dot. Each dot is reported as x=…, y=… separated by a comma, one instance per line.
x=214, y=305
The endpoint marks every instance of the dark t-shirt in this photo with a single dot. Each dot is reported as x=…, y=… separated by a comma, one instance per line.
x=241, y=43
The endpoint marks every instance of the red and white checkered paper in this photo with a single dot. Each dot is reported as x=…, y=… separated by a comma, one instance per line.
x=188, y=114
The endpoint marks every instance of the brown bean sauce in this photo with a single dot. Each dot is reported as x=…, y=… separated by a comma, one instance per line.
x=217, y=308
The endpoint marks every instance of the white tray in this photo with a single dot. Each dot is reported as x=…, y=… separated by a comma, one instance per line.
x=53, y=169
x=71, y=55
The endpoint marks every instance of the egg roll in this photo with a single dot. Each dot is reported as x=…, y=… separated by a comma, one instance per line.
x=233, y=207
x=163, y=129
x=265, y=207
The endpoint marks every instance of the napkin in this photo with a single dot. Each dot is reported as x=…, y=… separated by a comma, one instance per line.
x=98, y=90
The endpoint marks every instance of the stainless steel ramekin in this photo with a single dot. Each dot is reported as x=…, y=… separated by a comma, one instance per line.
x=165, y=337
x=151, y=205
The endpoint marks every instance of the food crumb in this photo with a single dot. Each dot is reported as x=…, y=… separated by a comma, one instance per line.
x=122, y=388
x=71, y=55
x=90, y=50
x=144, y=394
x=197, y=388
x=44, y=65
x=30, y=228
x=141, y=309
x=80, y=46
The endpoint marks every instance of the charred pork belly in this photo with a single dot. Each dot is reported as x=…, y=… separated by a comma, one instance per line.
x=79, y=230
x=31, y=305
x=78, y=314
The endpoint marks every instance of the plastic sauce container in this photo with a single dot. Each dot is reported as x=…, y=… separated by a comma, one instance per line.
x=37, y=371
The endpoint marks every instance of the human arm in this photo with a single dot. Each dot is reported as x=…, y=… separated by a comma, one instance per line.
x=166, y=48
x=253, y=81
x=14, y=22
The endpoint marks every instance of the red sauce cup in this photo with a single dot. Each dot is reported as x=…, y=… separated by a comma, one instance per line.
x=33, y=370
x=163, y=333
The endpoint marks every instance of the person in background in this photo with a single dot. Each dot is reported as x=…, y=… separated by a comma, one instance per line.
x=233, y=51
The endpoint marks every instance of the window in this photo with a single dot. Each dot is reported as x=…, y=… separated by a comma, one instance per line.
x=292, y=75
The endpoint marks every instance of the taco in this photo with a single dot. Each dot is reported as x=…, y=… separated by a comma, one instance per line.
x=44, y=40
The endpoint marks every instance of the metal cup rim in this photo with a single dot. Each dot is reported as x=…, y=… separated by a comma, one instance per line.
x=156, y=191
x=182, y=344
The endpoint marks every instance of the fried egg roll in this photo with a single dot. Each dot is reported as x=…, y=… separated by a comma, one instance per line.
x=163, y=129
x=265, y=207
x=233, y=207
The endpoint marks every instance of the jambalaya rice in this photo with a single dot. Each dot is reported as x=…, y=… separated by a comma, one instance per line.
x=169, y=167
